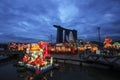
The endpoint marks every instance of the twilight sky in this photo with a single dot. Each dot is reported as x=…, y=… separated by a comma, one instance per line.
x=33, y=20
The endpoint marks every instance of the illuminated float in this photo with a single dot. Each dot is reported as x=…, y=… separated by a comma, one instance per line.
x=62, y=48
x=88, y=47
x=116, y=45
x=107, y=42
x=35, y=58
x=116, y=48
x=16, y=46
x=94, y=48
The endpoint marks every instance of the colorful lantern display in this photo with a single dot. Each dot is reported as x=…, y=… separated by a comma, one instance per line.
x=107, y=42
x=35, y=59
x=16, y=46
x=116, y=45
x=88, y=47
x=62, y=48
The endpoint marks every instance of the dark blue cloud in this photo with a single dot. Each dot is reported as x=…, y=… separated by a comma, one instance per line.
x=33, y=20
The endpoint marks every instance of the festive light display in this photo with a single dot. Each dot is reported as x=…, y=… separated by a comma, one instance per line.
x=88, y=47
x=35, y=59
x=107, y=42
x=72, y=47
x=15, y=46
x=63, y=48
x=116, y=45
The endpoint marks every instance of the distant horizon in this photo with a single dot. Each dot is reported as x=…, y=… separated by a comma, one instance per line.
x=54, y=42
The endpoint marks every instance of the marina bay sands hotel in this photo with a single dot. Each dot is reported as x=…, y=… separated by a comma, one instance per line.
x=63, y=33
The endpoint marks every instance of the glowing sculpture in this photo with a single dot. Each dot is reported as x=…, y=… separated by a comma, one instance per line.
x=94, y=48
x=89, y=47
x=15, y=46
x=107, y=42
x=25, y=58
x=63, y=48
x=35, y=58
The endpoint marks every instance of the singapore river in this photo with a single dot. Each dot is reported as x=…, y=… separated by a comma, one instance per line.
x=65, y=72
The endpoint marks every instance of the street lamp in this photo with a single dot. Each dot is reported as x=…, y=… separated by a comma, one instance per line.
x=99, y=35
x=51, y=38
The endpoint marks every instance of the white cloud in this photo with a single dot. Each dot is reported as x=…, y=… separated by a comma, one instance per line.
x=1, y=33
x=35, y=18
x=67, y=12
x=109, y=17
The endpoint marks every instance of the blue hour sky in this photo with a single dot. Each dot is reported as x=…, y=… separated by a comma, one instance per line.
x=33, y=20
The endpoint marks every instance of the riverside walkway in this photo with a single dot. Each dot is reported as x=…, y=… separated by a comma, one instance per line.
x=105, y=60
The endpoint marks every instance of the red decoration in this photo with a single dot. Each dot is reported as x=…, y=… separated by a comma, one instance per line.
x=46, y=54
x=107, y=41
x=37, y=60
x=41, y=44
x=25, y=58
x=38, y=54
x=37, y=72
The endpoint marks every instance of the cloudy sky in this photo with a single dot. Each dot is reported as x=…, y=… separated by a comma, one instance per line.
x=33, y=20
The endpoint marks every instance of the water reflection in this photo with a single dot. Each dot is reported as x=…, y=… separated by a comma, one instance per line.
x=65, y=72
x=28, y=75
x=73, y=72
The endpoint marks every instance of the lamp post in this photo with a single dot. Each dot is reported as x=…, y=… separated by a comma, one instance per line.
x=99, y=35
x=51, y=38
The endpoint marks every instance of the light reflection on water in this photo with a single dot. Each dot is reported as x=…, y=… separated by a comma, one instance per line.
x=65, y=72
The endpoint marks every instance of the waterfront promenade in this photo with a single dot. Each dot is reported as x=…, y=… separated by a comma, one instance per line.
x=105, y=60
